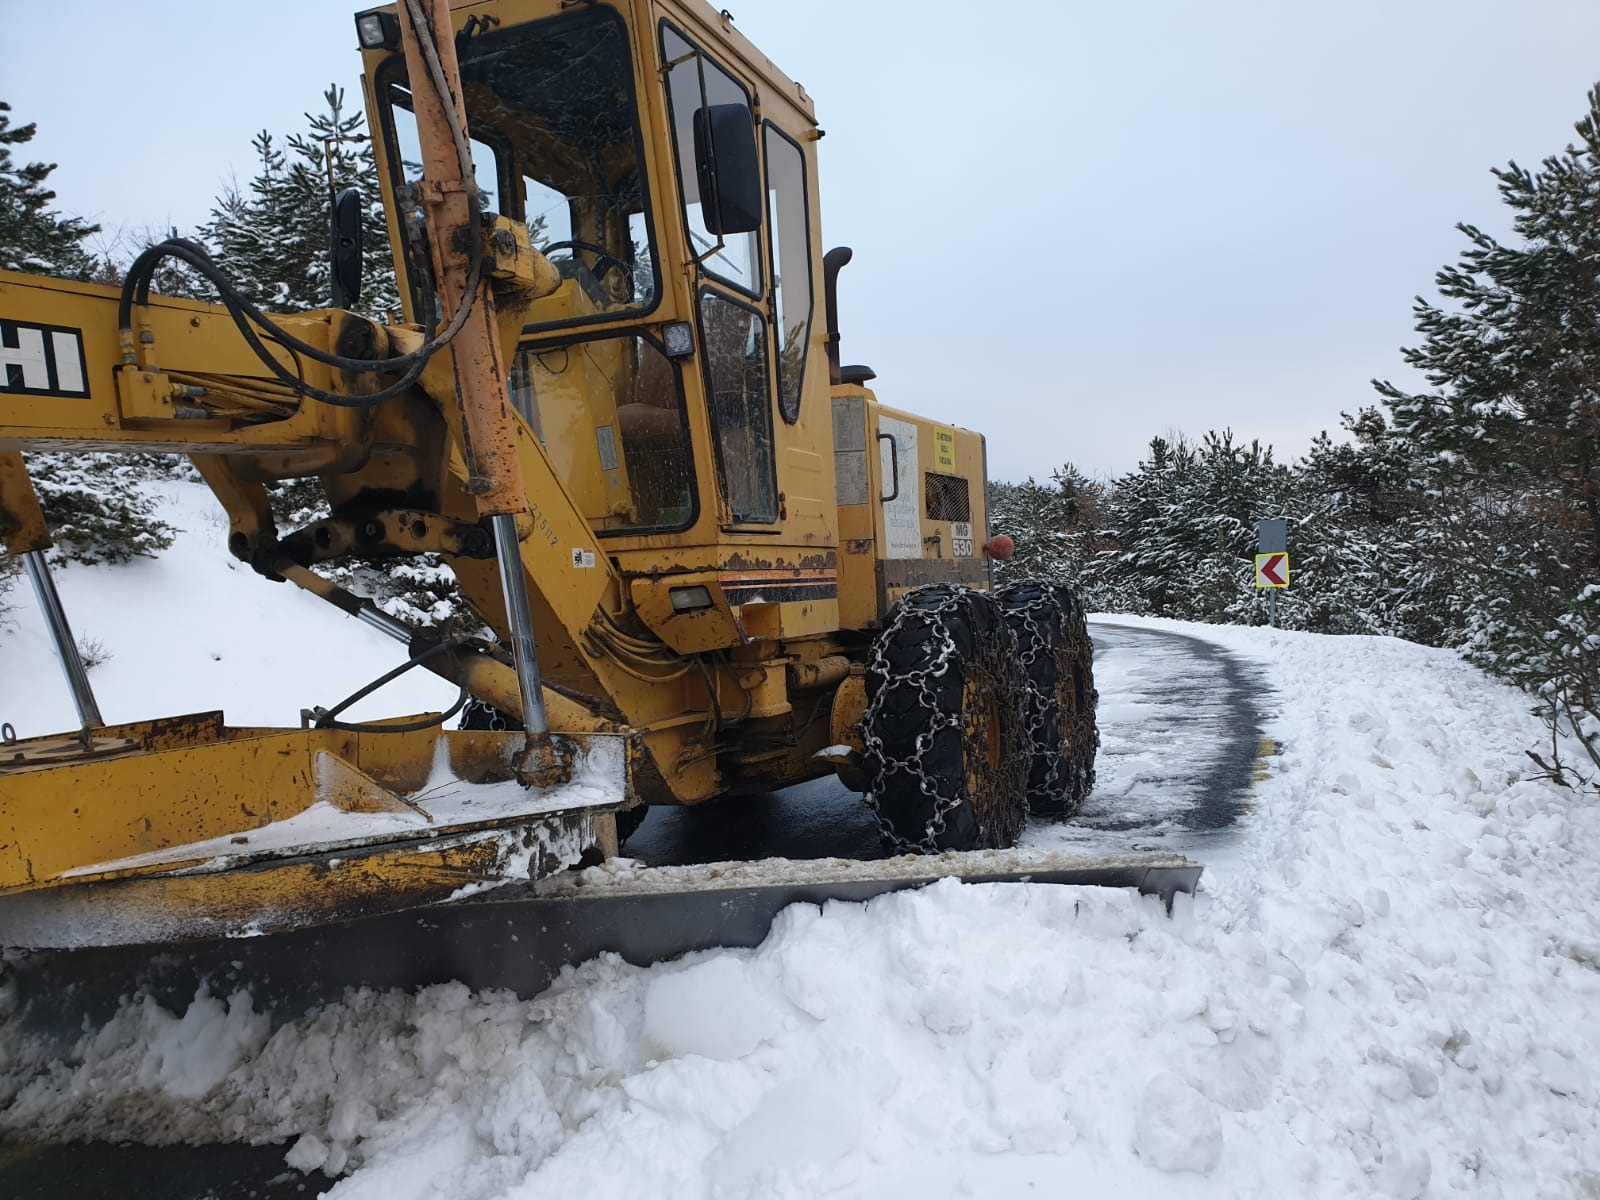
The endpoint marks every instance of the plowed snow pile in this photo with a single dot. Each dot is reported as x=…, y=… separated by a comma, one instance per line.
x=1391, y=986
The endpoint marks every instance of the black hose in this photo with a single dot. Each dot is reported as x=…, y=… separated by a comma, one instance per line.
x=136, y=290
x=139, y=278
x=325, y=718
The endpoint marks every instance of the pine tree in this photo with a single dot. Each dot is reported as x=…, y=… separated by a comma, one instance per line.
x=1374, y=550
x=1054, y=525
x=1510, y=433
x=1140, y=521
x=33, y=237
x=271, y=237
x=95, y=506
x=1184, y=526
x=1516, y=360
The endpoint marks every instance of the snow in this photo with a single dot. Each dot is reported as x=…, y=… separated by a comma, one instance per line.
x=625, y=876
x=597, y=781
x=195, y=630
x=1177, y=1127
x=1388, y=985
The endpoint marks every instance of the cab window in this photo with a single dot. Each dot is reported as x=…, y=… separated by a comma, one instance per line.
x=735, y=338
x=695, y=87
x=554, y=125
x=789, y=222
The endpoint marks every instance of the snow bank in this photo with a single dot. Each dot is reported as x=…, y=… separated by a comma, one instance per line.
x=1388, y=987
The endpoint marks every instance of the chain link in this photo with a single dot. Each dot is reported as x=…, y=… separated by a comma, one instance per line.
x=478, y=715
x=1048, y=620
x=993, y=788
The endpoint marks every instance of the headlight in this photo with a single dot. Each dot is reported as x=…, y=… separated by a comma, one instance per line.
x=690, y=599
x=378, y=30
x=678, y=338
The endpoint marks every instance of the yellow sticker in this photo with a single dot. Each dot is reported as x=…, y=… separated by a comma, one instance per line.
x=944, y=448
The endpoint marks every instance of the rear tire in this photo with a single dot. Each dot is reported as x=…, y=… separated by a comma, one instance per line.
x=629, y=820
x=943, y=725
x=1059, y=713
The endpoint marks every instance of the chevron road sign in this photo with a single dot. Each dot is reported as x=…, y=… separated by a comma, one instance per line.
x=1272, y=570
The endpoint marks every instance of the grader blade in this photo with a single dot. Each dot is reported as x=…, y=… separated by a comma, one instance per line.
x=520, y=937
x=188, y=829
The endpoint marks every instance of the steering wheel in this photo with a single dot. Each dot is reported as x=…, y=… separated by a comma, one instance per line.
x=605, y=261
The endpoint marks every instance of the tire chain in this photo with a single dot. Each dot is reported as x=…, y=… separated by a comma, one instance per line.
x=478, y=715
x=997, y=825
x=1028, y=607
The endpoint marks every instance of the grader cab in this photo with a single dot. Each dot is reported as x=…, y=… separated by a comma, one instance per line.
x=708, y=561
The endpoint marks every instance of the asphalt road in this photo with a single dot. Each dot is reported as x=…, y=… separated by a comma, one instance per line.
x=1179, y=733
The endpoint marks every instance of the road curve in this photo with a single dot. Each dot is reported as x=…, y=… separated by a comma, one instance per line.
x=1179, y=731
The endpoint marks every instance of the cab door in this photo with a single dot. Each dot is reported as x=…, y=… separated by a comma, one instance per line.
x=719, y=180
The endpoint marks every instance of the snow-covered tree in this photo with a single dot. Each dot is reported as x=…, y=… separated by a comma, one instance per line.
x=1364, y=544
x=271, y=236
x=1141, y=520
x=1054, y=525
x=1184, y=527
x=1509, y=432
x=95, y=506
x=33, y=236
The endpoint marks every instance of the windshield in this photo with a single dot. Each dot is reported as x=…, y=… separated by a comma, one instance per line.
x=555, y=143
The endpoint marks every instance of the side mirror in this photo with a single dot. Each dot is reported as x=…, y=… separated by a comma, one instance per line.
x=728, y=169
x=344, y=248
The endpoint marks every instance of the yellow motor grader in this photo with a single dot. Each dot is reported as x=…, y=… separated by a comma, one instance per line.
x=713, y=564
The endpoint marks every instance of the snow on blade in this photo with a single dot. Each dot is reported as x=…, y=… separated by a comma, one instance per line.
x=624, y=876
x=598, y=780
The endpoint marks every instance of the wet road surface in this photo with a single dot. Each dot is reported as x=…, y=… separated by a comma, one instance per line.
x=1179, y=731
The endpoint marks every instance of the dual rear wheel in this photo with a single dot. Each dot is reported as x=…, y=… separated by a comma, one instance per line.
x=980, y=712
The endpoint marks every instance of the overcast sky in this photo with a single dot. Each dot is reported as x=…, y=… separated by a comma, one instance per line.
x=1076, y=224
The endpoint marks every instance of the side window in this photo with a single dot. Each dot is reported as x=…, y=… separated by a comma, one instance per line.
x=695, y=84
x=741, y=408
x=609, y=413
x=487, y=161
x=548, y=212
x=789, y=221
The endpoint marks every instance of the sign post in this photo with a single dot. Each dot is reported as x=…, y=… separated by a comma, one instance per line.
x=1272, y=562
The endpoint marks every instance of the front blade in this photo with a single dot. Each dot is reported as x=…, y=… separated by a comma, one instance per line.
x=250, y=832
x=520, y=937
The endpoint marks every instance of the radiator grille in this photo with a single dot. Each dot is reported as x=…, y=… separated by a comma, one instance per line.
x=947, y=497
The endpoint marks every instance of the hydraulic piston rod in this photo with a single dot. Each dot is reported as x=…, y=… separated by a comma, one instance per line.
x=61, y=635
x=487, y=427
x=520, y=618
